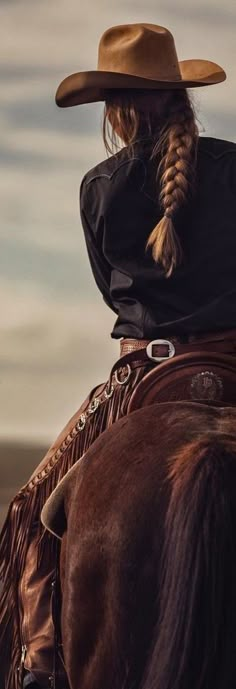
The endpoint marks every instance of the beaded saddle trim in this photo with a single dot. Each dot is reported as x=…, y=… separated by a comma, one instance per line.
x=124, y=376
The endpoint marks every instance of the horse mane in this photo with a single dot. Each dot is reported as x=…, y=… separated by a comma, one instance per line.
x=194, y=640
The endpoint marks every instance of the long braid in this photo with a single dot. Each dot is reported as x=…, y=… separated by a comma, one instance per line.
x=175, y=174
x=169, y=118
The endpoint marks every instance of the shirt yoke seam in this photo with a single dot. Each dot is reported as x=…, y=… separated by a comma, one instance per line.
x=216, y=156
x=124, y=162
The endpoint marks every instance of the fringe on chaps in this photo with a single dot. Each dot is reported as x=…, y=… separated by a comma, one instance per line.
x=104, y=405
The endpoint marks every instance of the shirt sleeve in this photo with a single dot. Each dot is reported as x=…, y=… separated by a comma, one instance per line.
x=100, y=267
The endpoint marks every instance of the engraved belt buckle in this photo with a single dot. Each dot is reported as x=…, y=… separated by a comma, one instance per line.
x=168, y=343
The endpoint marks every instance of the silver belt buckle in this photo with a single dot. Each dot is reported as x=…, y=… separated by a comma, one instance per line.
x=169, y=344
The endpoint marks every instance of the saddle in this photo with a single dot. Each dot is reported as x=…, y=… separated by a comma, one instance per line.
x=205, y=377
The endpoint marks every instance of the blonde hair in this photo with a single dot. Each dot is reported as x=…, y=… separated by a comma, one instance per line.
x=168, y=118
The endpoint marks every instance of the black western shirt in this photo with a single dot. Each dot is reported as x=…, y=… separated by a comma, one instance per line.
x=119, y=208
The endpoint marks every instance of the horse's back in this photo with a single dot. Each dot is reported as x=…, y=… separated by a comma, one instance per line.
x=115, y=503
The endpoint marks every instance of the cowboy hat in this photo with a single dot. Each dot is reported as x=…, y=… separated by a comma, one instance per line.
x=141, y=56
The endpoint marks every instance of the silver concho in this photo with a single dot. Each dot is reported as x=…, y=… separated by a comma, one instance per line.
x=122, y=375
x=207, y=386
x=81, y=422
x=94, y=405
x=108, y=392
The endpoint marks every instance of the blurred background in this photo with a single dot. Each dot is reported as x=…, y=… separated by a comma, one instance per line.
x=55, y=328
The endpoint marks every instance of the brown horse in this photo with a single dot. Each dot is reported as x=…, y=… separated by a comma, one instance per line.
x=148, y=557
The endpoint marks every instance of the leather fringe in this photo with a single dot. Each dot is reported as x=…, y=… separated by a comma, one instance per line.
x=24, y=516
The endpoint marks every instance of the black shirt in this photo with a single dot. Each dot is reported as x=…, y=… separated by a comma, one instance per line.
x=119, y=208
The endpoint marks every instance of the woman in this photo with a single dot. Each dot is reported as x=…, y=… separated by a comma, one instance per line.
x=158, y=218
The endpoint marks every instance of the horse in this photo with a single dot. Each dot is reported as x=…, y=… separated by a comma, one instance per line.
x=147, y=521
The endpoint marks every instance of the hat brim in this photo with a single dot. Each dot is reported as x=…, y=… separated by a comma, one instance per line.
x=90, y=87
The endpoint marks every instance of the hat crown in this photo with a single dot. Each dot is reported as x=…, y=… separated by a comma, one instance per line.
x=136, y=56
x=144, y=50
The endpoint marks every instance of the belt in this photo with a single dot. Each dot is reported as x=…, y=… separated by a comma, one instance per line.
x=164, y=348
x=135, y=353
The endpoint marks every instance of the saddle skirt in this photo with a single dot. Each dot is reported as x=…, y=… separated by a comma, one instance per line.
x=204, y=377
x=201, y=376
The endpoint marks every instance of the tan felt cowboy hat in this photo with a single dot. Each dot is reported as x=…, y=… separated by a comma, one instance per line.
x=136, y=56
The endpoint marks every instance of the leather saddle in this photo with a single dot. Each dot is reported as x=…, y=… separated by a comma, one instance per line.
x=205, y=377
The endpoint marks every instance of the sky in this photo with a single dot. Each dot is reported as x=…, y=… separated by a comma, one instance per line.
x=55, y=329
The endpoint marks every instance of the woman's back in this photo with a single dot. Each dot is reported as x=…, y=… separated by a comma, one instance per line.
x=120, y=206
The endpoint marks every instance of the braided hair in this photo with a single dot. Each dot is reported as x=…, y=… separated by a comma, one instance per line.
x=176, y=172
x=168, y=116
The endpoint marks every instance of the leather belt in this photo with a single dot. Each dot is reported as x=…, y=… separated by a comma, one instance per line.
x=135, y=353
x=160, y=349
